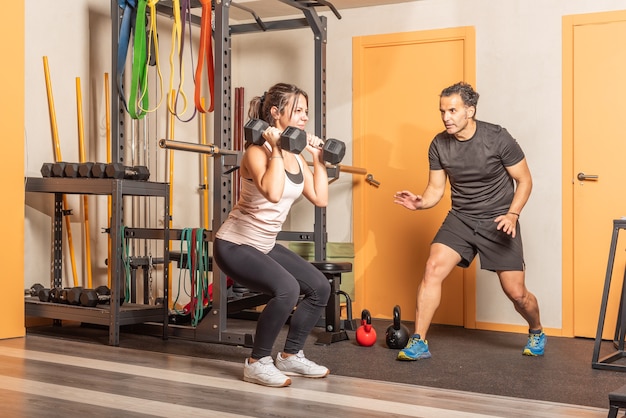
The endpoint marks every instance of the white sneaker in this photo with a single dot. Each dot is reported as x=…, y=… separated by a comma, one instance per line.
x=298, y=365
x=263, y=372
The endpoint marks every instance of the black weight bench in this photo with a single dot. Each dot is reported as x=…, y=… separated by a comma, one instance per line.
x=617, y=400
x=334, y=331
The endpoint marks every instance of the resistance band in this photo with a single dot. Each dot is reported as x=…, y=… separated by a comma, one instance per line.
x=176, y=44
x=126, y=29
x=205, y=53
x=178, y=41
x=153, y=44
x=140, y=59
x=196, y=263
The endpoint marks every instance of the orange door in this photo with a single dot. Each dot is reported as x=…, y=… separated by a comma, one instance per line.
x=12, y=172
x=397, y=81
x=594, y=144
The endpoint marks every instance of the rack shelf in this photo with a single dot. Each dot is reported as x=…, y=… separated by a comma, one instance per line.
x=113, y=315
x=129, y=313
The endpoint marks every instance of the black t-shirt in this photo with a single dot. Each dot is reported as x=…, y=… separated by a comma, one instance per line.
x=476, y=168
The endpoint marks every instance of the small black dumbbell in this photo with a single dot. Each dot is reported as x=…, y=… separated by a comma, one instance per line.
x=84, y=169
x=34, y=290
x=89, y=298
x=98, y=170
x=100, y=295
x=73, y=295
x=46, y=169
x=55, y=295
x=53, y=170
x=120, y=171
x=58, y=169
x=44, y=295
x=71, y=170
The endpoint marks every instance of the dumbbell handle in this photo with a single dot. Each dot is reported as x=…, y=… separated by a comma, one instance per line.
x=323, y=142
x=283, y=131
x=270, y=127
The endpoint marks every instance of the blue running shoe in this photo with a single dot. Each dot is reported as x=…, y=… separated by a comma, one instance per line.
x=415, y=349
x=536, y=344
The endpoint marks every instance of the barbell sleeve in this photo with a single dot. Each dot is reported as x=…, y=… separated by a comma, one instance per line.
x=210, y=149
x=346, y=168
x=352, y=170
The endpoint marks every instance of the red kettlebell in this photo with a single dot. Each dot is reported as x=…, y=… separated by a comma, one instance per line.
x=366, y=334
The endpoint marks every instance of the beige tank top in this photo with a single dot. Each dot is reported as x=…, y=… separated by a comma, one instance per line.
x=256, y=221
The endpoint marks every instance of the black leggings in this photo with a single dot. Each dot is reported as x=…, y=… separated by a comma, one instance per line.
x=283, y=275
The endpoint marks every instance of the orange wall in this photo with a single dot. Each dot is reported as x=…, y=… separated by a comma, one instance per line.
x=12, y=170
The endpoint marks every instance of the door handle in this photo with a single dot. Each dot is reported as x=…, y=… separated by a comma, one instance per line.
x=373, y=182
x=582, y=176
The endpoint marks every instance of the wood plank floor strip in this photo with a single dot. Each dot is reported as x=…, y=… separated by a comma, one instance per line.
x=304, y=395
x=141, y=383
x=106, y=400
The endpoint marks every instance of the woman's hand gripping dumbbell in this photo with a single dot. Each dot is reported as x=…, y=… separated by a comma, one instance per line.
x=332, y=150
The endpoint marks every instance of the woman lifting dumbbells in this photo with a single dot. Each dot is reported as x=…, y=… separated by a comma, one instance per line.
x=245, y=247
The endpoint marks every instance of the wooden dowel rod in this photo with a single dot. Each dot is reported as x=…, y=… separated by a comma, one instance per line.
x=205, y=171
x=59, y=158
x=107, y=113
x=82, y=158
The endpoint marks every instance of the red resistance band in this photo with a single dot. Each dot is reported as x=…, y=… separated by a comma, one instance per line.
x=205, y=52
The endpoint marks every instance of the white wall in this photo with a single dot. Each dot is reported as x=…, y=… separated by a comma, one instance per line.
x=518, y=47
x=76, y=38
x=73, y=37
x=518, y=77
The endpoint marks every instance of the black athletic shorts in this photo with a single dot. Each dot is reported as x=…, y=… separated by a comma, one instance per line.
x=467, y=236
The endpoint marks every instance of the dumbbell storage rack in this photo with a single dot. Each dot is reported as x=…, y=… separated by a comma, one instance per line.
x=112, y=315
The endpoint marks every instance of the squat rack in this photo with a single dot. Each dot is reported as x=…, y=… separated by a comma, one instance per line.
x=214, y=327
